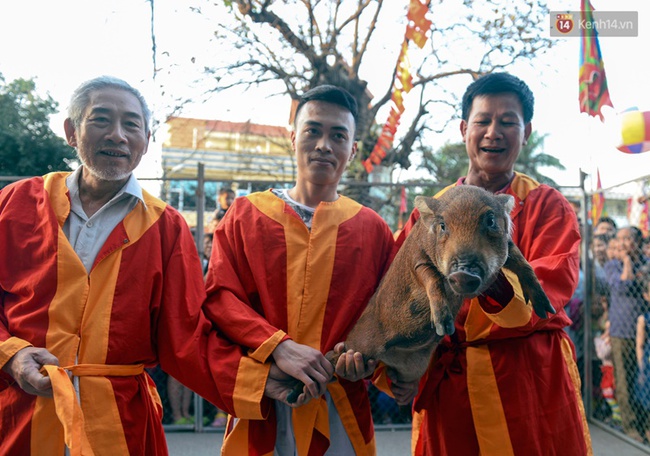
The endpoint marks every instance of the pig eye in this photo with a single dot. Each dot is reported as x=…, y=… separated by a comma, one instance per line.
x=490, y=220
x=442, y=227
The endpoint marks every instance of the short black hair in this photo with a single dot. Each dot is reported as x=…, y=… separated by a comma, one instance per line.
x=605, y=238
x=495, y=83
x=330, y=94
x=605, y=219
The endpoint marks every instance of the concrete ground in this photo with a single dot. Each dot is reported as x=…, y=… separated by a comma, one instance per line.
x=393, y=443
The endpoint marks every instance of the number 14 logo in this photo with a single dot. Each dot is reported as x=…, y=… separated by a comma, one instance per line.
x=564, y=23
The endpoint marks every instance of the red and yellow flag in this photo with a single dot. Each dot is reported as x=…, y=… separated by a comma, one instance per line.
x=416, y=30
x=593, y=84
x=597, y=201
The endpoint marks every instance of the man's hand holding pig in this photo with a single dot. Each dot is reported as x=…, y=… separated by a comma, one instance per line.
x=403, y=392
x=25, y=366
x=306, y=364
x=279, y=385
x=350, y=364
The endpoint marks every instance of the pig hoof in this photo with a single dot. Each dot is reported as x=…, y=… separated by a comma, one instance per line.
x=446, y=327
x=449, y=326
x=542, y=305
x=292, y=397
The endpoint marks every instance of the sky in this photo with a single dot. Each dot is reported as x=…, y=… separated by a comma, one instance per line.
x=63, y=43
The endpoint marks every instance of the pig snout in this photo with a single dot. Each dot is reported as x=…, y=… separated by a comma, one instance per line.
x=466, y=275
x=464, y=283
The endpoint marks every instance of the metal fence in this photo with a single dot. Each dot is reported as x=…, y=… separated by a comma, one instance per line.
x=610, y=310
x=185, y=411
x=612, y=352
x=613, y=299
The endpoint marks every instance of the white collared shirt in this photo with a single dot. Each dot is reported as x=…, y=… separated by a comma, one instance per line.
x=86, y=234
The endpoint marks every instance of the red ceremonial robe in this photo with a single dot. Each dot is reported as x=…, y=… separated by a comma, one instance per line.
x=271, y=278
x=506, y=382
x=140, y=305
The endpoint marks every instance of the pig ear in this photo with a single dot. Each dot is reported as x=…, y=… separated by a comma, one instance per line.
x=423, y=206
x=508, y=202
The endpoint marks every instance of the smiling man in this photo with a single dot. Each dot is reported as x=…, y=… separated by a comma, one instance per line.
x=506, y=382
x=101, y=278
x=291, y=271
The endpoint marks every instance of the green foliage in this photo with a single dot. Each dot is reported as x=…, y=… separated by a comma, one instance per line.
x=450, y=162
x=532, y=157
x=28, y=146
x=447, y=164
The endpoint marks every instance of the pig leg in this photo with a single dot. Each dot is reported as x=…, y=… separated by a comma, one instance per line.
x=434, y=284
x=531, y=287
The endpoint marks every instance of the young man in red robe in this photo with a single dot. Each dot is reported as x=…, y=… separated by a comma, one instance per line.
x=290, y=273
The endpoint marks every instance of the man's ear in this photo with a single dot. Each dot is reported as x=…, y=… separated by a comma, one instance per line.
x=146, y=147
x=355, y=148
x=463, y=129
x=528, y=129
x=293, y=140
x=70, y=132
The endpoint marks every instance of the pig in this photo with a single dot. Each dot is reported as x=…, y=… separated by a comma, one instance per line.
x=454, y=251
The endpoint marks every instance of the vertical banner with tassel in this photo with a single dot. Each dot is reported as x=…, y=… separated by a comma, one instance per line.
x=416, y=29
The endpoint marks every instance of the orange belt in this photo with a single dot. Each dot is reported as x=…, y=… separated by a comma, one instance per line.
x=67, y=406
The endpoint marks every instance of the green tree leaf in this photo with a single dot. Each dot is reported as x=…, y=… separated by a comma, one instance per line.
x=28, y=146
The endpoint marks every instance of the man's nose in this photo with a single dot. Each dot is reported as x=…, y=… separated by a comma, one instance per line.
x=494, y=131
x=117, y=133
x=324, y=144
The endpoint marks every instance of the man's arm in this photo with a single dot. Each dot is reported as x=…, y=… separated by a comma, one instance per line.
x=189, y=348
x=549, y=239
x=232, y=279
x=640, y=341
x=230, y=283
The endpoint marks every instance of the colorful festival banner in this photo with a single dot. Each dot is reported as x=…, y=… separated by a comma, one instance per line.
x=635, y=132
x=597, y=201
x=643, y=220
x=416, y=30
x=637, y=213
x=592, y=81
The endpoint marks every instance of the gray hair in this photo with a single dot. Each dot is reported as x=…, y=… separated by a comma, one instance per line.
x=81, y=97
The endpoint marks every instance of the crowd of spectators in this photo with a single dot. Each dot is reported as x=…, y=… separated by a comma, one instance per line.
x=620, y=315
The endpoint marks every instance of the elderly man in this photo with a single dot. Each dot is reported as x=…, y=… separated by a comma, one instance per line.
x=103, y=279
x=291, y=271
x=506, y=382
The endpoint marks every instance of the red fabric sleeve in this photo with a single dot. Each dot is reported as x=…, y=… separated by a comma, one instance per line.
x=230, y=283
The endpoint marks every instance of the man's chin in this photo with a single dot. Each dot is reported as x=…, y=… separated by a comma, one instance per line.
x=110, y=175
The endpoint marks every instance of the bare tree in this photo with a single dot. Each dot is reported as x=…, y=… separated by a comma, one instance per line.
x=304, y=43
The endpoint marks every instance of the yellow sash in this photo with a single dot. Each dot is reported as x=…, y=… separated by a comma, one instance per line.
x=67, y=406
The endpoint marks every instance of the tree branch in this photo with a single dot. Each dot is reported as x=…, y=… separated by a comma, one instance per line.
x=358, y=56
x=266, y=16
